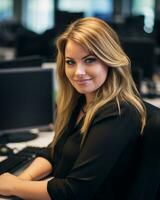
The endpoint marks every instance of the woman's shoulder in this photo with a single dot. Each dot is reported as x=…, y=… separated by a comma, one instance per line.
x=112, y=109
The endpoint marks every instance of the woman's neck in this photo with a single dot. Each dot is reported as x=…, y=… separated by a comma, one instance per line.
x=85, y=106
x=89, y=99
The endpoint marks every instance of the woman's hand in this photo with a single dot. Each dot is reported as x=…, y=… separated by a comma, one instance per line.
x=11, y=185
x=8, y=183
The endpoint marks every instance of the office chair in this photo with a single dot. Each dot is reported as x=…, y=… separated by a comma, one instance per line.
x=146, y=184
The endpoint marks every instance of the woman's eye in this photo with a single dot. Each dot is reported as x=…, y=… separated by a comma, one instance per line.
x=90, y=60
x=69, y=62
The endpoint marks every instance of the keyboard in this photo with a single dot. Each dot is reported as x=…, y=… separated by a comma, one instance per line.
x=18, y=160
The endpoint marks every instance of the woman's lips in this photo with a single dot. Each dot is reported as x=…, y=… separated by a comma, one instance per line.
x=82, y=81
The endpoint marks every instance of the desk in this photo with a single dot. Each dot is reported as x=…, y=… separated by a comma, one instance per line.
x=43, y=139
x=155, y=102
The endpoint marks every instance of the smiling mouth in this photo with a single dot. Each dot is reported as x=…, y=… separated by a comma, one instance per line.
x=82, y=81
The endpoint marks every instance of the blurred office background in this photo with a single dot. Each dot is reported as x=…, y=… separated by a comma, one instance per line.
x=30, y=27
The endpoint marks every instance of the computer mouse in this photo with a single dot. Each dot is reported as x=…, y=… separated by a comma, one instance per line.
x=5, y=150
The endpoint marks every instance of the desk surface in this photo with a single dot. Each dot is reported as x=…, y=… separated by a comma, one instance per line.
x=43, y=139
x=155, y=102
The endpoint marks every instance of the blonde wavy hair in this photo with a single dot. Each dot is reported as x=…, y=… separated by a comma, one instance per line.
x=99, y=39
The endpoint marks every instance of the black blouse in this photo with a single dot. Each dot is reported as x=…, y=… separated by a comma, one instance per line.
x=104, y=166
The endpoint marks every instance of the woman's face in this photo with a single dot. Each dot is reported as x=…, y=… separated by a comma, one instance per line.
x=85, y=71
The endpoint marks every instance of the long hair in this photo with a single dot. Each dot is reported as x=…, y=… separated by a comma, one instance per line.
x=99, y=39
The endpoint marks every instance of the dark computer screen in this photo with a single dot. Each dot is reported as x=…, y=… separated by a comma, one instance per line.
x=21, y=62
x=26, y=100
x=141, y=53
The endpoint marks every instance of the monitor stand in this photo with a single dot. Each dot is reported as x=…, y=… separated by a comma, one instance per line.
x=17, y=137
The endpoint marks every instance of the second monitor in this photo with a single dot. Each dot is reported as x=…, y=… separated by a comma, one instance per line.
x=27, y=102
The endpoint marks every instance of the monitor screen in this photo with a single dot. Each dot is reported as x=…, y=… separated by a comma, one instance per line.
x=22, y=62
x=141, y=53
x=27, y=99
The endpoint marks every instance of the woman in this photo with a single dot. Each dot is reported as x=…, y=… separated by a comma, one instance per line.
x=100, y=119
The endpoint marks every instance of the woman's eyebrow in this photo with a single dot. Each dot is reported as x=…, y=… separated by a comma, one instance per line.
x=67, y=57
x=87, y=56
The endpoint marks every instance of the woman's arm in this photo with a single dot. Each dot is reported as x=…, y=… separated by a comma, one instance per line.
x=32, y=190
x=38, y=169
x=11, y=185
x=25, y=186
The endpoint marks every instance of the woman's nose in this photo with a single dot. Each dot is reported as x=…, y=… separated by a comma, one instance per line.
x=80, y=69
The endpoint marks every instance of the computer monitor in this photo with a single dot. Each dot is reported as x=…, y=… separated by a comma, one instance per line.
x=21, y=62
x=26, y=102
x=141, y=53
